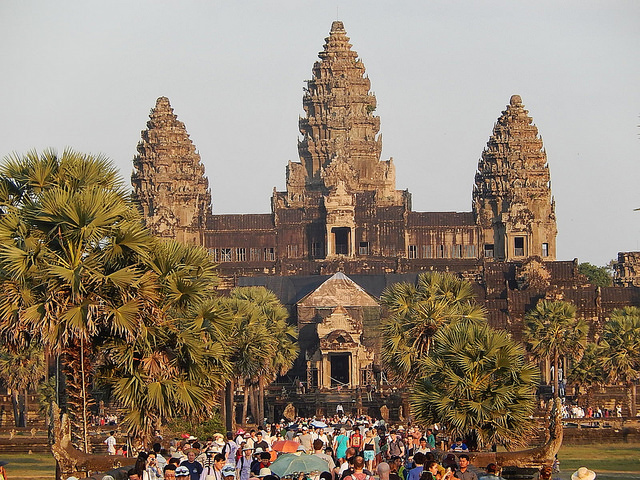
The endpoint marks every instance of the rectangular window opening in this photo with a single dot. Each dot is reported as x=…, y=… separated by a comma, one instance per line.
x=363, y=249
x=545, y=249
x=270, y=254
x=518, y=246
x=488, y=250
x=413, y=251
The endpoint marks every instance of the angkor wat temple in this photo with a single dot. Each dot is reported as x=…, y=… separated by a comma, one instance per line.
x=341, y=231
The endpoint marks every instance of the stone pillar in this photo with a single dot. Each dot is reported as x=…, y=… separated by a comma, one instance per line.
x=326, y=372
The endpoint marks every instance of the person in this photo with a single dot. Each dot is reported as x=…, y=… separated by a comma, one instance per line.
x=341, y=443
x=396, y=445
x=133, y=475
x=318, y=446
x=355, y=440
x=459, y=446
x=431, y=439
x=263, y=461
x=260, y=442
x=583, y=473
x=383, y=471
x=228, y=473
x=306, y=440
x=358, y=470
x=195, y=468
x=243, y=465
x=463, y=472
x=369, y=449
x=110, y=442
x=208, y=464
x=430, y=471
x=152, y=471
x=214, y=472
x=3, y=472
x=169, y=472
x=160, y=460
x=182, y=473
x=230, y=450
x=394, y=465
x=414, y=473
x=340, y=410
x=492, y=473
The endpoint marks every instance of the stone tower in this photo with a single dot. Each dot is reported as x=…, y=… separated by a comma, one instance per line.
x=340, y=142
x=512, y=199
x=168, y=178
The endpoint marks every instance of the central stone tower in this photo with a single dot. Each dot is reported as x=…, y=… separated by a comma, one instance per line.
x=340, y=144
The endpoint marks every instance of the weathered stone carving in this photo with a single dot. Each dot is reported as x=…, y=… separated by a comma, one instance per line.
x=168, y=178
x=512, y=192
x=340, y=141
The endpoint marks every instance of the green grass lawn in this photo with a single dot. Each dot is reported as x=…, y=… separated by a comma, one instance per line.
x=34, y=466
x=611, y=461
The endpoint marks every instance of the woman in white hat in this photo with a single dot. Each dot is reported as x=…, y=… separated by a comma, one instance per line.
x=583, y=473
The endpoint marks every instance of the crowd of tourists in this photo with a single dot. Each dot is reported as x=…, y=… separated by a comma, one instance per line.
x=576, y=411
x=352, y=449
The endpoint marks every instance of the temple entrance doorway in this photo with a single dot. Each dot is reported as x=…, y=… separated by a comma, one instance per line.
x=340, y=369
x=341, y=240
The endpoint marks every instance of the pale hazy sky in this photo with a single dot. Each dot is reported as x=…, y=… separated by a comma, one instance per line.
x=86, y=73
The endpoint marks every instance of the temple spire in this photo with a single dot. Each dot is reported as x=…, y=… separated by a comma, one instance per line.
x=512, y=193
x=168, y=177
x=340, y=141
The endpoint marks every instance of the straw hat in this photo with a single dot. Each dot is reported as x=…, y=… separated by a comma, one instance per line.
x=583, y=473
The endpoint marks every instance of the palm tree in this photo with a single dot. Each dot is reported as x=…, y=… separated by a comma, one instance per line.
x=71, y=242
x=588, y=371
x=417, y=312
x=619, y=349
x=177, y=362
x=552, y=330
x=274, y=317
x=476, y=380
x=20, y=370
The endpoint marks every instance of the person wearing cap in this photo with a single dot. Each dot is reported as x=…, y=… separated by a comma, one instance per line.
x=228, y=472
x=182, y=473
x=243, y=465
x=263, y=461
x=194, y=467
x=492, y=473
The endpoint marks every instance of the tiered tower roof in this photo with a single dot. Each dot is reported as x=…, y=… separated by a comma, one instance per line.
x=340, y=132
x=168, y=177
x=513, y=168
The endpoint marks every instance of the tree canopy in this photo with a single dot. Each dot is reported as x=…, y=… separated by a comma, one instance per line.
x=476, y=380
x=598, y=276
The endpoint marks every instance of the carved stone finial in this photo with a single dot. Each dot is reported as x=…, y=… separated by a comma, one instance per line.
x=515, y=100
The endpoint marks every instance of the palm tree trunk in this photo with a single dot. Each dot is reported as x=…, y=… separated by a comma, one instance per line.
x=261, y=400
x=245, y=404
x=85, y=436
x=25, y=408
x=253, y=403
x=555, y=374
x=15, y=401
